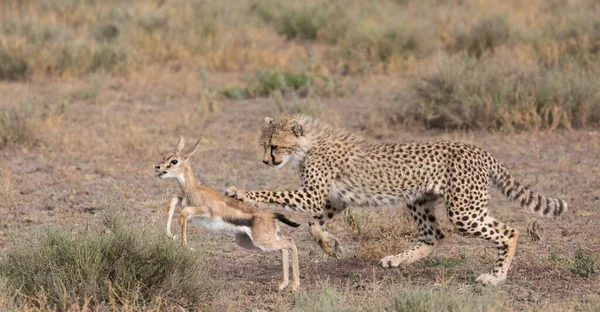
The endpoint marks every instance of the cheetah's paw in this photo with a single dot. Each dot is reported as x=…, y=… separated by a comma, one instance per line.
x=490, y=279
x=392, y=261
x=332, y=246
x=233, y=191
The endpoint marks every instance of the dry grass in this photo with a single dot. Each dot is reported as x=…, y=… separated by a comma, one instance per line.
x=382, y=297
x=495, y=92
x=121, y=267
x=73, y=38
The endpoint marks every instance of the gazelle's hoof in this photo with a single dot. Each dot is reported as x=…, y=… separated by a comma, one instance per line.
x=283, y=285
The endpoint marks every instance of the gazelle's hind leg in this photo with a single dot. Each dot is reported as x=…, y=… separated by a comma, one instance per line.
x=269, y=240
x=430, y=235
x=286, y=244
x=285, y=268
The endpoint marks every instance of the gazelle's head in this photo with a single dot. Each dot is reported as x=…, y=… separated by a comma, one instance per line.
x=173, y=165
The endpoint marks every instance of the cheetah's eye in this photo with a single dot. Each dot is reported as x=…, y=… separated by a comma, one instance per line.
x=273, y=147
x=174, y=161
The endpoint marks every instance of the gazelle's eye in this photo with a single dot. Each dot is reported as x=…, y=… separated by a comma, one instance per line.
x=174, y=162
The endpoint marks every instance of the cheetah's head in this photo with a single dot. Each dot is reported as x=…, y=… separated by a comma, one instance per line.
x=283, y=141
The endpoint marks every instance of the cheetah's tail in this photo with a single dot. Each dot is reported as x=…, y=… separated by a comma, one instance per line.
x=515, y=191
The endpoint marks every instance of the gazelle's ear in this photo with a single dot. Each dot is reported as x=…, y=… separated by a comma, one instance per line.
x=180, y=145
x=295, y=127
x=268, y=120
x=192, y=149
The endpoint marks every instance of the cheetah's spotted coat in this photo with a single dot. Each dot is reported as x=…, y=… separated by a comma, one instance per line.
x=339, y=169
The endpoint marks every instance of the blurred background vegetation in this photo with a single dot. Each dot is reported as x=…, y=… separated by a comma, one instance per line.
x=471, y=64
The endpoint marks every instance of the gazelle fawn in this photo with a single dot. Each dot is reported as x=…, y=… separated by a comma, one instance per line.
x=252, y=227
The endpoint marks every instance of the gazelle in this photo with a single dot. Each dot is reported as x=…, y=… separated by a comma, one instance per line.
x=252, y=227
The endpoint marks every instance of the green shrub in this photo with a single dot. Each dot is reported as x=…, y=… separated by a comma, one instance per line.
x=127, y=265
x=583, y=263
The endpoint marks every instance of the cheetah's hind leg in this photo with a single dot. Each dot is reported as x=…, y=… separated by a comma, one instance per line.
x=430, y=235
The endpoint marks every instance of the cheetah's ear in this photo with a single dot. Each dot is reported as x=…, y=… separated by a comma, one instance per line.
x=180, y=145
x=192, y=149
x=268, y=120
x=295, y=127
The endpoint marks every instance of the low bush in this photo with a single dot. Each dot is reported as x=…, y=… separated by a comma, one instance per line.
x=467, y=92
x=125, y=266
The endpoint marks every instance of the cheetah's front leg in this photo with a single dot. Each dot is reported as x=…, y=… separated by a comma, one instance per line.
x=328, y=242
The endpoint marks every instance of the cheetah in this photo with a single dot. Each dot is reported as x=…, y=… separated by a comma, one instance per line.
x=340, y=169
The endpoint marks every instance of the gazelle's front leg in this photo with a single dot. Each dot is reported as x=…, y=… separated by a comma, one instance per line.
x=171, y=210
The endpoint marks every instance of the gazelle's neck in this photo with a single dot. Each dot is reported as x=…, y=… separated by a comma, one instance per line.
x=187, y=181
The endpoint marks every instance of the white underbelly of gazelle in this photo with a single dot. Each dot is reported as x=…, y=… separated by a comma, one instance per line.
x=217, y=225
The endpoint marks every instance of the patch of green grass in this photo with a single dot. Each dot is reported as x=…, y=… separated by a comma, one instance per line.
x=557, y=259
x=269, y=82
x=125, y=265
x=274, y=80
x=583, y=263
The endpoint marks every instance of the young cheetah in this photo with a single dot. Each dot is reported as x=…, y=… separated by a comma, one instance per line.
x=339, y=169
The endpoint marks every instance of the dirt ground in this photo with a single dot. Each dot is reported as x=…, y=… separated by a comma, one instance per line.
x=103, y=144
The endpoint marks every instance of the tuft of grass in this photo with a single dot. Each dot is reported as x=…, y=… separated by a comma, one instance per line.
x=12, y=67
x=582, y=263
x=236, y=93
x=20, y=125
x=302, y=23
x=123, y=266
x=274, y=80
x=491, y=93
x=486, y=34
